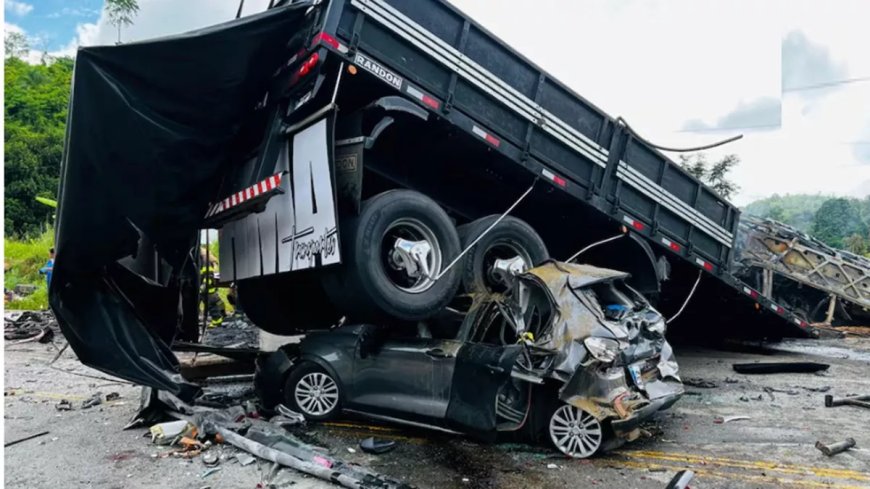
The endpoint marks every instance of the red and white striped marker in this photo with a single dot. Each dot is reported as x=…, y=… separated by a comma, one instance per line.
x=554, y=178
x=489, y=138
x=800, y=323
x=777, y=309
x=249, y=193
x=328, y=40
x=633, y=222
x=422, y=97
x=670, y=244
x=750, y=292
x=704, y=264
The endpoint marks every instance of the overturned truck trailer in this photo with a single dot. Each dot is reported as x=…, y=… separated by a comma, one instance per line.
x=362, y=159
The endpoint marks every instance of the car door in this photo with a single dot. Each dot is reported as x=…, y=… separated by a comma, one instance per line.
x=406, y=375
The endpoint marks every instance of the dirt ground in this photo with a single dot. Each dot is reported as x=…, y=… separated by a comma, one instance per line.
x=772, y=449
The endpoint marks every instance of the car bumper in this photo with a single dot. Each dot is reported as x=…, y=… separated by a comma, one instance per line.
x=625, y=426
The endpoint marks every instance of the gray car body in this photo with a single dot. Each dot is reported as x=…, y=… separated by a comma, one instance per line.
x=467, y=384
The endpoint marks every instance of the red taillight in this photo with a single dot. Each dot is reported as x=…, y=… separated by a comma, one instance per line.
x=326, y=39
x=309, y=64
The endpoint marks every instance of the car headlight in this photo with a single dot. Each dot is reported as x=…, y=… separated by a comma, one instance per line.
x=603, y=349
x=657, y=326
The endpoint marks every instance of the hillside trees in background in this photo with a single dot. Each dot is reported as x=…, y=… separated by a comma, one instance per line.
x=35, y=113
x=838, y=220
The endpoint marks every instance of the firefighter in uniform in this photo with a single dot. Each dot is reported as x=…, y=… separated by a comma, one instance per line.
x=212, y=302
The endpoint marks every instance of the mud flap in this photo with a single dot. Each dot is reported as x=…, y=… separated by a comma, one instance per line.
x=480, y=372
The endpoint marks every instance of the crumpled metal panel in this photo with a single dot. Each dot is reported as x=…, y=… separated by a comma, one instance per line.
x=771, y=245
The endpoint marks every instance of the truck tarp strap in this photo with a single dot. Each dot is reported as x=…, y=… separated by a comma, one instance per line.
x=150, y=132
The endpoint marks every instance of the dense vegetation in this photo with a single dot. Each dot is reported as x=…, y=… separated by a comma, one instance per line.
x=838, y=221
x=35, y=113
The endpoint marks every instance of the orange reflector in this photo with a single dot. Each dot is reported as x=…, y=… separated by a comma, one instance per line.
x=351, y=69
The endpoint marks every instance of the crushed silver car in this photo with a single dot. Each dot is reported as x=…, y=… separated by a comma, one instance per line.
x=570, y=355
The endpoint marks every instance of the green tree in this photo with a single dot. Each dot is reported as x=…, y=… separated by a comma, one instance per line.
x=35, y=114
x=713, y=174
x=121, y=13
x=16, y=45
x=837, y=219
x=856, y=244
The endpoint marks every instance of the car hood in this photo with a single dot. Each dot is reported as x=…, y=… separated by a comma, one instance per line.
x=576, y=314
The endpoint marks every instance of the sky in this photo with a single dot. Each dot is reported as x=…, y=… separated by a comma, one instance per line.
x=682, y=72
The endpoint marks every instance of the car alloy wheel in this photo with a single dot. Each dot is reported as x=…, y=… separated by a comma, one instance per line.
x=316, y=394
x=575, y=432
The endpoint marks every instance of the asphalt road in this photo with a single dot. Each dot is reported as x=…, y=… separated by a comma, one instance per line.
x=772, y=449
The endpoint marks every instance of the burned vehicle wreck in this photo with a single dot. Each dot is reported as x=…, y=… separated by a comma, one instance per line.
x=570, y=355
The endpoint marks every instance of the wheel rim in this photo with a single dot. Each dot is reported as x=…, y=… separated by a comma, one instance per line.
x=403, y=275
x=316, y=394
x=575, y=433
x=502, y=250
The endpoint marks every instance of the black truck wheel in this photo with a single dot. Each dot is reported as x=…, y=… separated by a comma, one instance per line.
x=511, y=242
x=392, y=253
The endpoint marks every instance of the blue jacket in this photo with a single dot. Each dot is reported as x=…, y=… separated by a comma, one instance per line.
x=47, y=269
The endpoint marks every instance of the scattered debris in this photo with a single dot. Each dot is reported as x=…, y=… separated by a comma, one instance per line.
x=209, y=472
x=779, y=367
x=700, y=383
x=860, y=401
x=245, y=459
x=377, y=446
x=63, y=405
x=30, y=326
x=835, y=448
x=15, y=442
x=681, y=480
x=728, y=419
x=211, y=458
x=351, y=450
x=729, y=380
x=170, y=432
x=552, y=466
x=112, y=396
x=94, y=400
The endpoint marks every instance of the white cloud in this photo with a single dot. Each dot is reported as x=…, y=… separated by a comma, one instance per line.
x=18, y=8
x=73, y=12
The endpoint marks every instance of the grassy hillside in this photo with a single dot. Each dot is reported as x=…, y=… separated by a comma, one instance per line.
x=796, y=210
x=23, y=259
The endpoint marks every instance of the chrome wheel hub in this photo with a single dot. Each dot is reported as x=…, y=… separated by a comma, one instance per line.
x=575, y=433
x=316, y=394
x=411, y=255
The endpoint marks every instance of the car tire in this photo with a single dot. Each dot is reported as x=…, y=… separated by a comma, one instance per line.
x=510, y=237
x=313, y=392
x=574, y=432
x=371, y=284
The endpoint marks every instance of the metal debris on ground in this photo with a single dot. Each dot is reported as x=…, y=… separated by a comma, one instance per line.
x=211, y=458
x=245, y=459
x=835, y=448
x=63, y=405
x=236, y=331
x=30, y=326
x=112, y=396
x=94, y=400
x=700, y=383
x=209, y=472
x=779, y=367
x=860, y=401
x=377, y=446
x=15, y=442
x=728, y=419
x=681, y=480
x=169, y=432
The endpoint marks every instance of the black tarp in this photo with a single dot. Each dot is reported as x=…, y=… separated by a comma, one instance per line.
x=150, y=132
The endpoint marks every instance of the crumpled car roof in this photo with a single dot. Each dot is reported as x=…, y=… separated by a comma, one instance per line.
x=552, y=274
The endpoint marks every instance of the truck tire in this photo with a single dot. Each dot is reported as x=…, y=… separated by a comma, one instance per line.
x=375, y=281
x=511, y=238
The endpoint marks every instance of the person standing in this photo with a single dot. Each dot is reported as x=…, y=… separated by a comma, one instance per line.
x=212, y=302
x=48, y=268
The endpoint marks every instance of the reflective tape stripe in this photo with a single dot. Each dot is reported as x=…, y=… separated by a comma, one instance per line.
x=241, y=196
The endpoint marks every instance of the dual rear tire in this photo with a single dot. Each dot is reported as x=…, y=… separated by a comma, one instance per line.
x=393, y=254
